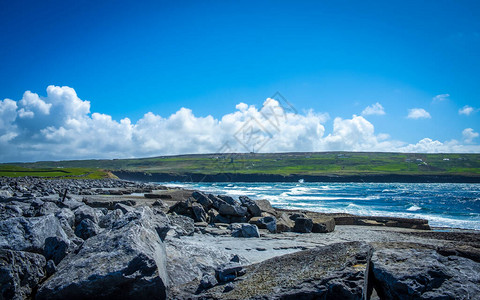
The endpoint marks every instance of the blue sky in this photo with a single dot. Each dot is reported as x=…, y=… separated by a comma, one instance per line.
x=332, y=57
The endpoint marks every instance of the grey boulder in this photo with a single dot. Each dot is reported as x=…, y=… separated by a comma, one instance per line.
x=29, y=234
x=125, y=262
x=244, y=230
x=413, y=271
x=20, y=272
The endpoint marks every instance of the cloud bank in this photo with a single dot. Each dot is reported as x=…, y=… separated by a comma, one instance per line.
x=61, y=126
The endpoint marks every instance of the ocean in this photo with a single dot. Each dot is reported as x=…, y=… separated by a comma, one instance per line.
x=442, y=204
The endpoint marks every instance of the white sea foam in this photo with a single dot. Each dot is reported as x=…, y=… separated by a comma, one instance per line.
x=414, y=208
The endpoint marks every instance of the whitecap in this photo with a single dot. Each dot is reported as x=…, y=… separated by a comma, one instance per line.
x=414, y=208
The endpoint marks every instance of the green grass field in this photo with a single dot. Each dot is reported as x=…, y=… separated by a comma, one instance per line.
x=18, y=171
x=318, y=163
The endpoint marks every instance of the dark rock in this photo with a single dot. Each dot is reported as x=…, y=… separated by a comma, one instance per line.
x=85, y=212
x=216, y=202
x=203, y=200
x=232, y=210
x=199, y=213
x=67, y=215
x=221, y=219
x=228, y=272
x=284, y=223
x=50, y=268
x=212, y=215
x=323, y=225
x=29, y=234
x=228, y=287
x=269, y=223
x=235, y=258
x=182, y=208
x=251, y=206
x=182, y=225
x=125, y=263
x=86, y=229
x=265, y=206
x=20, y=273
x=208, y=281
x=303, y=225
x=110, y=218
x=413, y=271
x=228, y=199
x=294, y=216
x=158, y=196
x=244, y=230
x=55, y=249
x=124, y=208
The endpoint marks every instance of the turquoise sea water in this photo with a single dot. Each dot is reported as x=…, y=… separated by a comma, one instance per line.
x=443, y=204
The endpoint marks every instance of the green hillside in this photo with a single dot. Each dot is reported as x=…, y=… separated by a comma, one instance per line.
x=318, y=163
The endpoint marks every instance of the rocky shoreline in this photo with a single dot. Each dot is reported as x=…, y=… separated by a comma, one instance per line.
x=105, y=239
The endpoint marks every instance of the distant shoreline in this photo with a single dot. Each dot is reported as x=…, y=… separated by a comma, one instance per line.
x=235, y=177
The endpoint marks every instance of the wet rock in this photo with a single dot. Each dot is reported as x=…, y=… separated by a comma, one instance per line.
x=20, y=273
x=323, y=225
x=413, y=271
x=29, y=234
x=303, y=225
x=232, y=210
x=128, y=262
x=86, y=229
x=244, y=230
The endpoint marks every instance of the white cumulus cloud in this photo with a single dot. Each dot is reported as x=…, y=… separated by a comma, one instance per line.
x=468, y=135
x=418, y=113
x=374, y=109
x=466, y=110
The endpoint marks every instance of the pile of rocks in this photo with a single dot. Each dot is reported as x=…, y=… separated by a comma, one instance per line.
x=70, y=250
x=27, y=187
x=246, y=216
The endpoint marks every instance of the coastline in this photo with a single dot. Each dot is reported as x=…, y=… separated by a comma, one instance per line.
x=237, y=177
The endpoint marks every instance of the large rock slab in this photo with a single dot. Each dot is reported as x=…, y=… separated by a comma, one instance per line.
x=20, y=272
x=29, y=234
x=189, y=259
x=127, y=261
x=337, y=271
x=413, y=271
